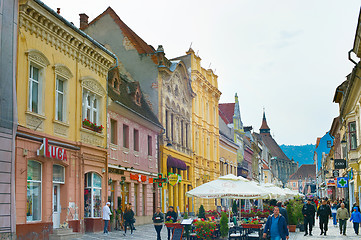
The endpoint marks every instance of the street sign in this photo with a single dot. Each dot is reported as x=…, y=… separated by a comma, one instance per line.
x=340, y=163
x=335, y=173
x=342, y=182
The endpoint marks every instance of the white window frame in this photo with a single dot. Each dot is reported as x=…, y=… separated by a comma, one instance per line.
x=58, y=92
x=40, y=87
x=93, y=96
x=91, y=194
x=57, y=182
x=41, y=190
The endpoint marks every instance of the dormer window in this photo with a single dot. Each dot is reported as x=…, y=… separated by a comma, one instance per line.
x=115, y=84
x=137, y=98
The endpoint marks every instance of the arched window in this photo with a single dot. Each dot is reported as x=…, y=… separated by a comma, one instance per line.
x=33, y=201
x=92, y=195
x=115, y=84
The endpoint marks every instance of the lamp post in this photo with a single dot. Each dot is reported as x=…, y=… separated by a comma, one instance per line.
x=344, y=148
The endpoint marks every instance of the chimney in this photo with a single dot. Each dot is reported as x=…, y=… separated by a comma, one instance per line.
x=83, y=20
x=58, y=11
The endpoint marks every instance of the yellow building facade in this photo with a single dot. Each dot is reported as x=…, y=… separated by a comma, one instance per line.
x=348, y=96
x=61, y=90
x=205, y=125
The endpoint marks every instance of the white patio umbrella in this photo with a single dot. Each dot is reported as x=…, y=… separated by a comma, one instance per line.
x=230, y=187
x=274, y=191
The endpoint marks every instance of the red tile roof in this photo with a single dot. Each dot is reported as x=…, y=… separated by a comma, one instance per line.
x=226, y=112
x=139, y=44
x=305, y=171
x=274, y=148
x=265, y=167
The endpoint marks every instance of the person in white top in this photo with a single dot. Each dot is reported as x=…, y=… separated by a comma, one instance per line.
x=106, y=216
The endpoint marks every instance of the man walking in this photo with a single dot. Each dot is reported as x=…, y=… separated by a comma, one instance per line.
x=106, y=216
x=308, y=211
x=324, y=212
x=276, y=226
x=283, y=211
x=342, y=215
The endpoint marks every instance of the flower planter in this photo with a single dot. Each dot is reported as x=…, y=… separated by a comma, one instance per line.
x=292, y=228
x=174, y=225
x=93, y=129
x=247, y=225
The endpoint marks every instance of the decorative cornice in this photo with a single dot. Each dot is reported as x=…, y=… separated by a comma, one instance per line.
x=93, y=85
x=37, y=57
x=63, y=70
x=50, y=30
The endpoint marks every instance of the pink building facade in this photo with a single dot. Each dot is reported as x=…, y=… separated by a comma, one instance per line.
x=132, y=144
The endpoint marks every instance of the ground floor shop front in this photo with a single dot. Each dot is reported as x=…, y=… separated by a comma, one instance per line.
x=58, y=184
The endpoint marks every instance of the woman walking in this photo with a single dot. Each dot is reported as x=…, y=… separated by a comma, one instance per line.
x=128, y=219
x=158, y=219
x=334, y=212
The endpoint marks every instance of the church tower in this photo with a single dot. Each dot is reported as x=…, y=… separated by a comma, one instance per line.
x=264, y=129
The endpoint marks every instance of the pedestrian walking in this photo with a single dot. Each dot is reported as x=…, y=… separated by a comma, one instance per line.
x=308, y=211
x=334, y=211
x=158, y=219
x=106, y=216
x=171, y=216
x=324, y=213
x=283, y=211
x=356, y=218
x=276, y=226
x=342, y=215
x=129, y=219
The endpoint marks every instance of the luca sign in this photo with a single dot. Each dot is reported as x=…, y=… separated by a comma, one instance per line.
x=340, y=163
x=51, y=151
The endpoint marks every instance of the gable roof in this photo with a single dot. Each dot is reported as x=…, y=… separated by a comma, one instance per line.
x=273, y=147
x=139, y=44
x=226, y=112
x=305, y=171
x=125, y=97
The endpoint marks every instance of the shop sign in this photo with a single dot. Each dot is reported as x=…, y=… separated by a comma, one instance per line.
x=331, y=182
x=335, y=173
x=51, y=151
x=342, y=182
x=116, y=171
x=160, y=180
x=138, y=177
x=350, y=174
x=174, y=178
x=340, y=163
x=329, y=191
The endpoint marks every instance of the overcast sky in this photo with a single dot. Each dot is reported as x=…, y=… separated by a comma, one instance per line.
x=286, y=56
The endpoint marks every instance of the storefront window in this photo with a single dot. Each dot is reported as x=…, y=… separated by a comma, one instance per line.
x=92, y=195
x=33, y=200
x=58, y=174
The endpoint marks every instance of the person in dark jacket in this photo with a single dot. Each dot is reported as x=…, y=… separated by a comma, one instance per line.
x=158, y=219
x=128, y=219
x=276, y=226
x=324, y=212
x=283, y=211
x=171, y=216
x=308, y=211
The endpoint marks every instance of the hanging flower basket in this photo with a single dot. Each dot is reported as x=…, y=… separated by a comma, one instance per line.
x=92, y=126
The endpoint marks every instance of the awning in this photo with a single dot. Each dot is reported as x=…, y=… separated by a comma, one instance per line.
x=176, y=163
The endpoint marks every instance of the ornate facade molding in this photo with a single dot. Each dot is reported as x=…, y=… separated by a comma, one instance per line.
x=93, y=85
x=63, y=71
x=37, y=57
x=52, y=31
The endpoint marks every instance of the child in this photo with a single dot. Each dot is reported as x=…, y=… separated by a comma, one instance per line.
x=356, y=217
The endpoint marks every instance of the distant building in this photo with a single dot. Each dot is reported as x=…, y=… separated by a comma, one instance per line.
x=281, y=166
x=304, y=179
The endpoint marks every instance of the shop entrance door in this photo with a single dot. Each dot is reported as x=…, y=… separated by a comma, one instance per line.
x=56, y=205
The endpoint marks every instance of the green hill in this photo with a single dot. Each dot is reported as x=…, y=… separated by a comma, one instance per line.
x=302, y=153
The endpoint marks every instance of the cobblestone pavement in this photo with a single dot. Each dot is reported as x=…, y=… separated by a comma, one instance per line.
x=145, y=232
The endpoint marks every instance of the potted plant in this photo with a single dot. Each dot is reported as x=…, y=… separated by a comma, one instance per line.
x=254, y=223
x=292, y=221
x=92, y=126
x=201, y=212
x=224, y=225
